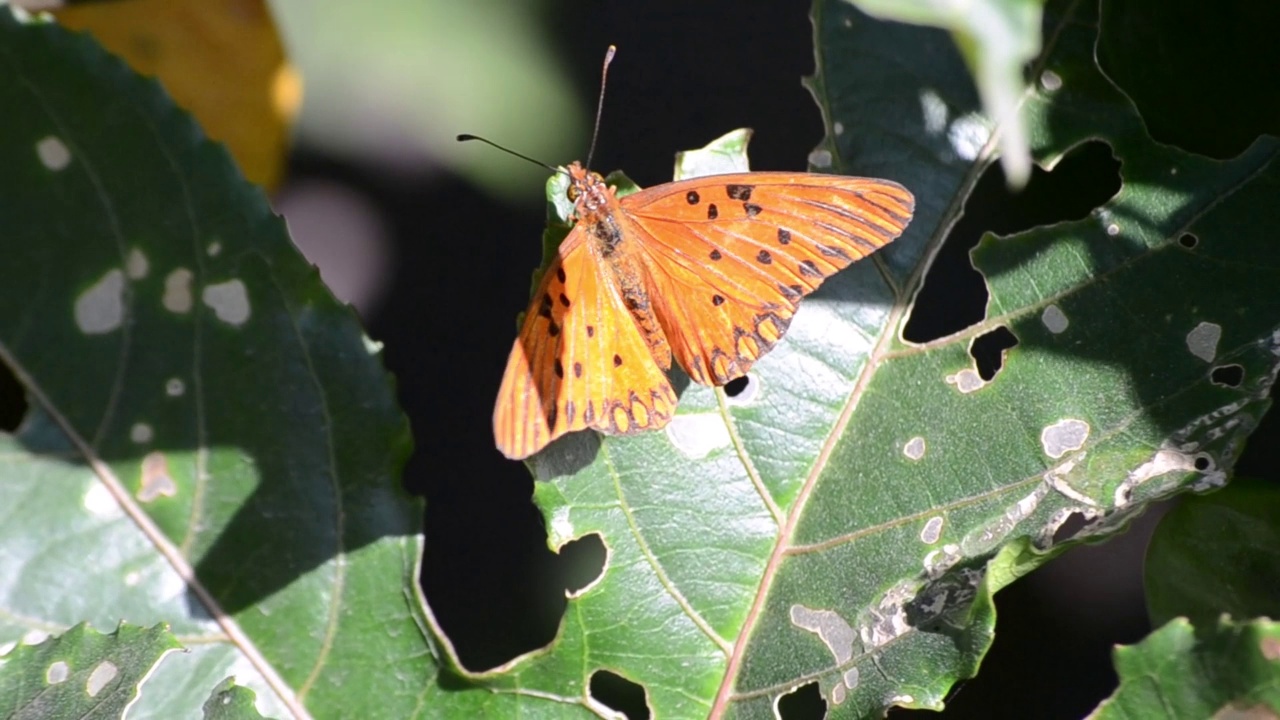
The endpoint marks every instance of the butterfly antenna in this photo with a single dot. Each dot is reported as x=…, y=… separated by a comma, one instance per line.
x=604, y=75
x=464, y=137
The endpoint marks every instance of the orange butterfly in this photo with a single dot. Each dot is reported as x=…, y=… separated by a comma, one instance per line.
x=710, y=270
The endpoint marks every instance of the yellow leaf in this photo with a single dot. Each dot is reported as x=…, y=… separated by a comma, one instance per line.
x=220, y=59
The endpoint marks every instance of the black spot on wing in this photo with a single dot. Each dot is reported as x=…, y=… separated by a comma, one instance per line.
x=784, y=236
x=712, y=212
x=809, y=268
x=739, y=192
x=764, y=258
x=752, y=209
x=715, y=254
x=692, y=198
x=717, y=300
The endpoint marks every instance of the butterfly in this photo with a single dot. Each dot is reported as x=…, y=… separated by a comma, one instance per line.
x=708, y=270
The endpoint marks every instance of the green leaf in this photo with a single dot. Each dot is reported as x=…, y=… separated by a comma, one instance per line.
x=1215, y=554
x=997, y=39
x=81, y=673
x=1218, y=669
x=212, y=441
x=845, y=519
x=229, y=701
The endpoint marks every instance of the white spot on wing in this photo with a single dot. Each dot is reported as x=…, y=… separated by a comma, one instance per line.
x=1050, y=80
x=697, y=434
x=174, y=387
x=838, y=127
x=229, y=301
x=1113, y=230
x=1054, y=319
x=100, y=309
x=214, y=249
x=101, y=676
x=1202, y=341
x=934, y=112
x=914, y=449
x=53, y=153
x=136, y=266
x=177, y=291
x=1063, y=437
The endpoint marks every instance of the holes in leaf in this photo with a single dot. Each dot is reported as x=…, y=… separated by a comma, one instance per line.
x=803, y=703
x=13, y=401
x=1070, y=527
x=1188, y=241
x=736, y=387
x=988, y=350
x=620, y=694
x=583, y=562
x=1227, y=375
x=1203, y=463
x=954, y=295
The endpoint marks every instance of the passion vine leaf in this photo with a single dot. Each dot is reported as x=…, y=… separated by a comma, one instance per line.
x=1222, y=669
x=845, y=518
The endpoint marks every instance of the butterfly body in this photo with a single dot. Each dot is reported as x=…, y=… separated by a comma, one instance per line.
x=709, y=271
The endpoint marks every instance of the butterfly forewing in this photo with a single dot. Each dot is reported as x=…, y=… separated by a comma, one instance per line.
x=730, y=256
x=578, y=363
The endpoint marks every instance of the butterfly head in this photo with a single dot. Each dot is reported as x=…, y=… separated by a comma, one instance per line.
x=587, y=191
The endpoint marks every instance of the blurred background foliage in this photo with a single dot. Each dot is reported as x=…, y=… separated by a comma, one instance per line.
x=433, y=241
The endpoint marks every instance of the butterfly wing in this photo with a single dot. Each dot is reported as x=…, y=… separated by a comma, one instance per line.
x=730, y=256
x=579, y=362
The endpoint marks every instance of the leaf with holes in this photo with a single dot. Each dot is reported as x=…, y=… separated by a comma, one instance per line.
x=1218, y=669
x=211, y=442
x=81, y=673
x=844, y=519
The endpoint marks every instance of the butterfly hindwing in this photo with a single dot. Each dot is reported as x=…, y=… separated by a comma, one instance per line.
x=579, y=362
x=730, y=256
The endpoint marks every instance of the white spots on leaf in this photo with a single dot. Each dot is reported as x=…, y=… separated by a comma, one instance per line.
x=57, y=673
x=1113, y=230
x=53, y=153
x=34, y=637
x=820, y=158
x=968, y=134
x=177, y=291
x=1165, y=460
x=174, y=387
x=136, y=265
x=560, y=528
x=214, y=249
x=1054, y=319
x=838, y=127
x=938, y=562
x=695, y=435
x=914, y=448
x=7, y=647
x=888, y=620
x=832, y=629
x=838, y=694
x=966, y=381
x=229, y=301
x=1203, y=339
x=851, y=678
x=903, y=700
x=1064, y=436
x=141, y=433
x=132, y=578
x=932, y=530
x=101, y=676
x=100, y=309
x=933, y=110
x=1050, y=80
x=99, y=502
x=155, y=480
